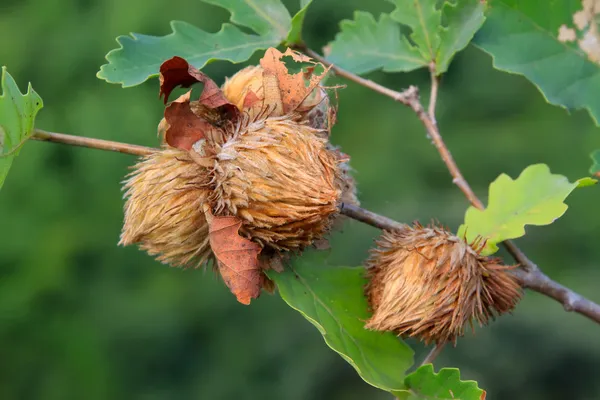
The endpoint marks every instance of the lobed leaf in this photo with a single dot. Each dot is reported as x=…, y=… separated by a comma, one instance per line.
x=295, y=34
x=595, y=170
x=544, y=43
x=463, y=20
x=140, y=56
x=365, y=44
x=425, y=384
x=17, y=118
x=424, y=19
x=293, y=88
x=268, y=18
x=332, y=299
x=536, y=197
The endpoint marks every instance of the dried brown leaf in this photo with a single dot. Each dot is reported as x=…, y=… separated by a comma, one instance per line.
x=189, y=121
x=292, y=87
x=178, y=72
x=237, y=257
x=184, y=127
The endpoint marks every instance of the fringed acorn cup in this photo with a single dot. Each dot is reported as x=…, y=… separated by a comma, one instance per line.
x=245, y=170
x=425, y=282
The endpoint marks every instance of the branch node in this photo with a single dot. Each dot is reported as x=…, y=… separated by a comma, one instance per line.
x=569, y=306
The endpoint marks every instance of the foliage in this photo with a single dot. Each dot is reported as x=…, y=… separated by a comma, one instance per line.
x=295, y=34
x=17, y=116
x=140, y=56
x=534, y=198
x=425, y=384
x=365, y=44
x=331, y=298
x=595, y=170
x=546, y=49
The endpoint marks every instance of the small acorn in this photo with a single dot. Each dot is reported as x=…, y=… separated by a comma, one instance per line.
x=165, y=193
x=253, y=157
x=427, y=283
x=278, y=177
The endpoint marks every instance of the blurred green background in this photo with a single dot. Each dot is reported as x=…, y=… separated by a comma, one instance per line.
x=81, y=318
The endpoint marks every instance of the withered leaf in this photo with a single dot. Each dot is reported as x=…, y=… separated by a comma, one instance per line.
x=184, y=128
x=237, y=257
x=292, y=87
x=250, y=100
x=178, y=72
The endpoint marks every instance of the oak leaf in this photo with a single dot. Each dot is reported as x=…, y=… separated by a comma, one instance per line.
x=178, y=72
x=237, y=257
x=184, y=127
x=189, y=120
x=293, y=89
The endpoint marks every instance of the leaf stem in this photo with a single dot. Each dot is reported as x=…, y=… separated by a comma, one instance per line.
x=432, y=355
x=435, y=83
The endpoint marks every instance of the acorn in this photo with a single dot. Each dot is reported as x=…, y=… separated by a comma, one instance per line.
x=427, y=283
x=247, y=150
x=165, y=193
x=278, y=176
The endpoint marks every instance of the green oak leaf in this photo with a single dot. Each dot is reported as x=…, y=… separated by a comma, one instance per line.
x=463, y=19
x=585, y=182
x=425, y=20
x=140, y=56
x=595, y=170
x=365, y=44
x=332, y=299
x=295, y=34
x=536, y=197
x=17, y=117
x=523, y=38
x=425, y=384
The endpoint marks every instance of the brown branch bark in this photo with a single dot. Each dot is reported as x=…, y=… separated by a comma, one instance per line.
x=92, y=143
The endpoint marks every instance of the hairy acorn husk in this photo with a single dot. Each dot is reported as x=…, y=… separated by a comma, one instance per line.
x=314, y=112
x=163, y=209
x=279, y=177
x=425, y=282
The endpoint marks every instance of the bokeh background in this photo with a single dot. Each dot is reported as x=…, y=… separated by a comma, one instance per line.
x=81, y=318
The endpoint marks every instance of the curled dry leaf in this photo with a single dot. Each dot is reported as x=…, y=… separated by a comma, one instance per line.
x=237, y=257
x=189, y=121
x=293, y=88
x=184, y=128
x=178, y=72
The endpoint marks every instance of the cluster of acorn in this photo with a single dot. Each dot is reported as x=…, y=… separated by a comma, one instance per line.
x=258, y=150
